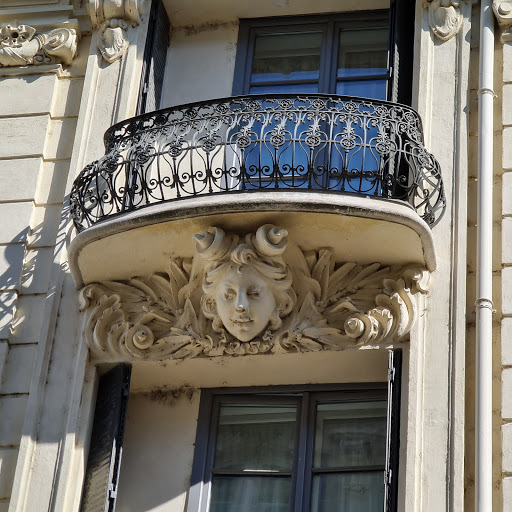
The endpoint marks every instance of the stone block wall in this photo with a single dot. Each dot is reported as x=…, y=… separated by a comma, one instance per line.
x=506, y=251
x=39, y=107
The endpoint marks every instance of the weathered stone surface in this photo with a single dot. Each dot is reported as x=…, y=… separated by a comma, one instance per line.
x=7, y=305
x=23, y=136
x=8, y=458
x=15, y=221
x=44, y=225
x=52, y=182
x=11, y=262
x=28, y=319
x=18, y=178
x=12, y=412
x=18, y=372
x=31, y=94
x=37, y=270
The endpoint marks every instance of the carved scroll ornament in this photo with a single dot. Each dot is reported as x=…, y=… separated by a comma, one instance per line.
x=238, y=297
x=112, y=19
x=444, y=17
x=503, y=12
x=22, y=45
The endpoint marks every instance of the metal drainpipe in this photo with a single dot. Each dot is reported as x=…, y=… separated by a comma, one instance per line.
x=484, y=304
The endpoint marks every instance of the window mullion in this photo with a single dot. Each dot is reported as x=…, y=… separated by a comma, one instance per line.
x=393, y=431
x=299, y=504
x=325, y=83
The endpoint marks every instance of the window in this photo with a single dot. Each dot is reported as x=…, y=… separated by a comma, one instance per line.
x=315, y=449
x=354, y=54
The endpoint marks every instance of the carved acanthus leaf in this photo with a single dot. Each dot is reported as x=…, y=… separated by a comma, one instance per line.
x=22, y=45
x=319, y=304
x=445, y=18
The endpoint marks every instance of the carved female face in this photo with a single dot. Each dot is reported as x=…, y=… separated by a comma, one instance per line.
x=245, y=302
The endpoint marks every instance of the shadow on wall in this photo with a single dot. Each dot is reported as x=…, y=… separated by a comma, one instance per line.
x=27, y=263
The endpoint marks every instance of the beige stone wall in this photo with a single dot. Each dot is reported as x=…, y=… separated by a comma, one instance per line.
x=38, y=114
x=502, y=277
x=506, y=251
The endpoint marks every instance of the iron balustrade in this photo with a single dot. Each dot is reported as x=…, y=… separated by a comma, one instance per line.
x=328, y=143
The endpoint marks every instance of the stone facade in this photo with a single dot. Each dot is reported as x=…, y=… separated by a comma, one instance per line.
x=70, y=69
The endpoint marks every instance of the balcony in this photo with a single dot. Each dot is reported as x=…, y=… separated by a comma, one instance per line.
x=317, y=153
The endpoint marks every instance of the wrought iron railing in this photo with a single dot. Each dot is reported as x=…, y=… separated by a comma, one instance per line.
x=334, y=144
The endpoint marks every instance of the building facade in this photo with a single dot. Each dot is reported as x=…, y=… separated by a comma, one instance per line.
x=255, y=255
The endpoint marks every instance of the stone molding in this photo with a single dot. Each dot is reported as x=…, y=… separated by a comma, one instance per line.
x=503, y=12
x=24, y=45
x=191, y=310
x=444, y=17
x=112, y=19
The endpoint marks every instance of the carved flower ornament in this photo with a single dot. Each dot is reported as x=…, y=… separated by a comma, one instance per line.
x=22, y=46
x=238, y=296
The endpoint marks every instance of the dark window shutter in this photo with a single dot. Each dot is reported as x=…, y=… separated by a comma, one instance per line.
x=102, y=475
x=155, y=55
x=393, y=430
x=401, y=50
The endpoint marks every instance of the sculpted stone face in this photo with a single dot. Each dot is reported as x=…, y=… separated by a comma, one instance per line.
x=245, y=302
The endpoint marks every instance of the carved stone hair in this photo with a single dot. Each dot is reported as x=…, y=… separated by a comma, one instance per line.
x=261, y=251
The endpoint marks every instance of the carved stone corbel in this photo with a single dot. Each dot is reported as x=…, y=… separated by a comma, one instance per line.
x=238, y=296
x=444, y=17
x=23, y=45
x=112, y=19
x=503, y=12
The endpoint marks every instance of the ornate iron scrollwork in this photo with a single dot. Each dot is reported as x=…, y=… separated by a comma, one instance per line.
x=335, y=144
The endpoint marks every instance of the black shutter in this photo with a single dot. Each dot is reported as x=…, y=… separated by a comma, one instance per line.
x=155, y=55
x=102, y=475
x=393, y=430
x=401, y=50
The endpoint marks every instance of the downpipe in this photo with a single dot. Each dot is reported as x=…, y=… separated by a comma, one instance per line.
x=484, y=304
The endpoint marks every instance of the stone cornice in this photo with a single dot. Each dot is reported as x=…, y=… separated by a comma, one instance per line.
x=444, y=17
x=23, y=45
x=112, y=20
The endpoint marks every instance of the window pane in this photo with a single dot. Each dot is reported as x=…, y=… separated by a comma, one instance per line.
x=348, y=492
x=286, y=56
x=256, y=438
x=375, y=89
x=250, y=494
x=283, y=88
x=350, y=434
x=363, y=53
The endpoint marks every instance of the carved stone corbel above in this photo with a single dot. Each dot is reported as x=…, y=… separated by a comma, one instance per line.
x=444, y=17
x=23, y=45
x=503, y=12
x=238, y=296
x=112, y=19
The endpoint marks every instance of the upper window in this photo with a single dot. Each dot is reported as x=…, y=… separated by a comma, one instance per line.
x=347, y=55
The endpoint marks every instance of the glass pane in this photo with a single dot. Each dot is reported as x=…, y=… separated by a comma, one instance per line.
x=288, y=56
x=256, y=438
x=250, y=494
x=374, y=89
x=363, y=52
x=283, y=88
x=350, y=434
x=348, y=492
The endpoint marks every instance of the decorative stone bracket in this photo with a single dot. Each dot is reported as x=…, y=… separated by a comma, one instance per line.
x=23, y=45
x=112, y=19
x=238, y=297
x=444, y=17
x=503, y=11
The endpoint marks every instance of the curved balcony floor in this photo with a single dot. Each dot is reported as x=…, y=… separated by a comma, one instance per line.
x=359, y=229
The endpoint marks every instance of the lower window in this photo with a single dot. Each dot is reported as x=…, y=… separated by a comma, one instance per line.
x=293, y=450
